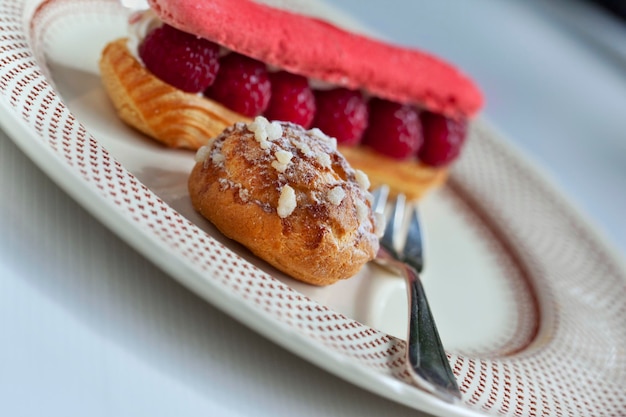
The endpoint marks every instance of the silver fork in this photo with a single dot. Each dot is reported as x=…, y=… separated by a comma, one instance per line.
x=425, y=353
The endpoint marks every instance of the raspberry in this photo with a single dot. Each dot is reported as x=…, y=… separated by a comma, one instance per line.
x=292, y=99
x=185, y=61
x=443, y=138
x=242, y=84
x=394, y=129
x=341, y=113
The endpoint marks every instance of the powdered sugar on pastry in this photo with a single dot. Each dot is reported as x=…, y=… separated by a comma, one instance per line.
x=291, y=199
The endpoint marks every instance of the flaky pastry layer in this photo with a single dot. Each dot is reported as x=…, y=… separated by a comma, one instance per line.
x=184, y=120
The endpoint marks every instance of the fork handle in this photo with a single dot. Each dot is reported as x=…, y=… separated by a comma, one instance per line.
x=425, y=352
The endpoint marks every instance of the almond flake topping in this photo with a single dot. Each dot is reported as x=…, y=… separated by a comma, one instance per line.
x=283, y=159
x=286, y=202
x=303, y=147
x=274, y=131
x=362, y=179
x=336, y=195
x=319, y=134
x=260, y=129
x=324, y=160
x=203, y=153
x=217, y=158
x=362, y=211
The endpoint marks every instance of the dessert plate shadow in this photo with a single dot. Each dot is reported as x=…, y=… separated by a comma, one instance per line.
x=530, y=302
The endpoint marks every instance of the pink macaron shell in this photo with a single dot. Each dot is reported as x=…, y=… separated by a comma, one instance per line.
x=319, y=50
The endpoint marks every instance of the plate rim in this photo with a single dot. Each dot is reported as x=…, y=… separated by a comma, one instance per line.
x=83, y=192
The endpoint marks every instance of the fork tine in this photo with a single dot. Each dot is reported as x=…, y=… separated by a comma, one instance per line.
x=425, y=353
x=413, y=248
x=393, y=229
x=379, y=206
x=390, y=239
x=380, y=199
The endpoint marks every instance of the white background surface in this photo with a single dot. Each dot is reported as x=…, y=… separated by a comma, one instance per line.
x=88, y=327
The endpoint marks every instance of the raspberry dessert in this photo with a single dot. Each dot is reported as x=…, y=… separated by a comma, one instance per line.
x=292, y=99
x=394, y=129
x=341, y=113
x=403, y=123
x=180, y=59
x=444, y=139
x=242, y=84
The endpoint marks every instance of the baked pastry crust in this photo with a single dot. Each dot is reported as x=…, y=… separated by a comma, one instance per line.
x=171, y=116
x=409, y=177
x=183, y=120
x=310, y=217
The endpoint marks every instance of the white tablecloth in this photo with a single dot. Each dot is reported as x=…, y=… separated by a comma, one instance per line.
x=90, y=328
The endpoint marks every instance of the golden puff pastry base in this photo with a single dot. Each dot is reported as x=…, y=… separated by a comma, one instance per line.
x=171, y=116
x=409, y=177
x=184, y=120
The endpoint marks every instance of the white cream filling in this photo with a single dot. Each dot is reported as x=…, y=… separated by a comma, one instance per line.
x=139, y=25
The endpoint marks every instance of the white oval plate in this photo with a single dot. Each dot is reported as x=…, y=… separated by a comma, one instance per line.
x=530, y=302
